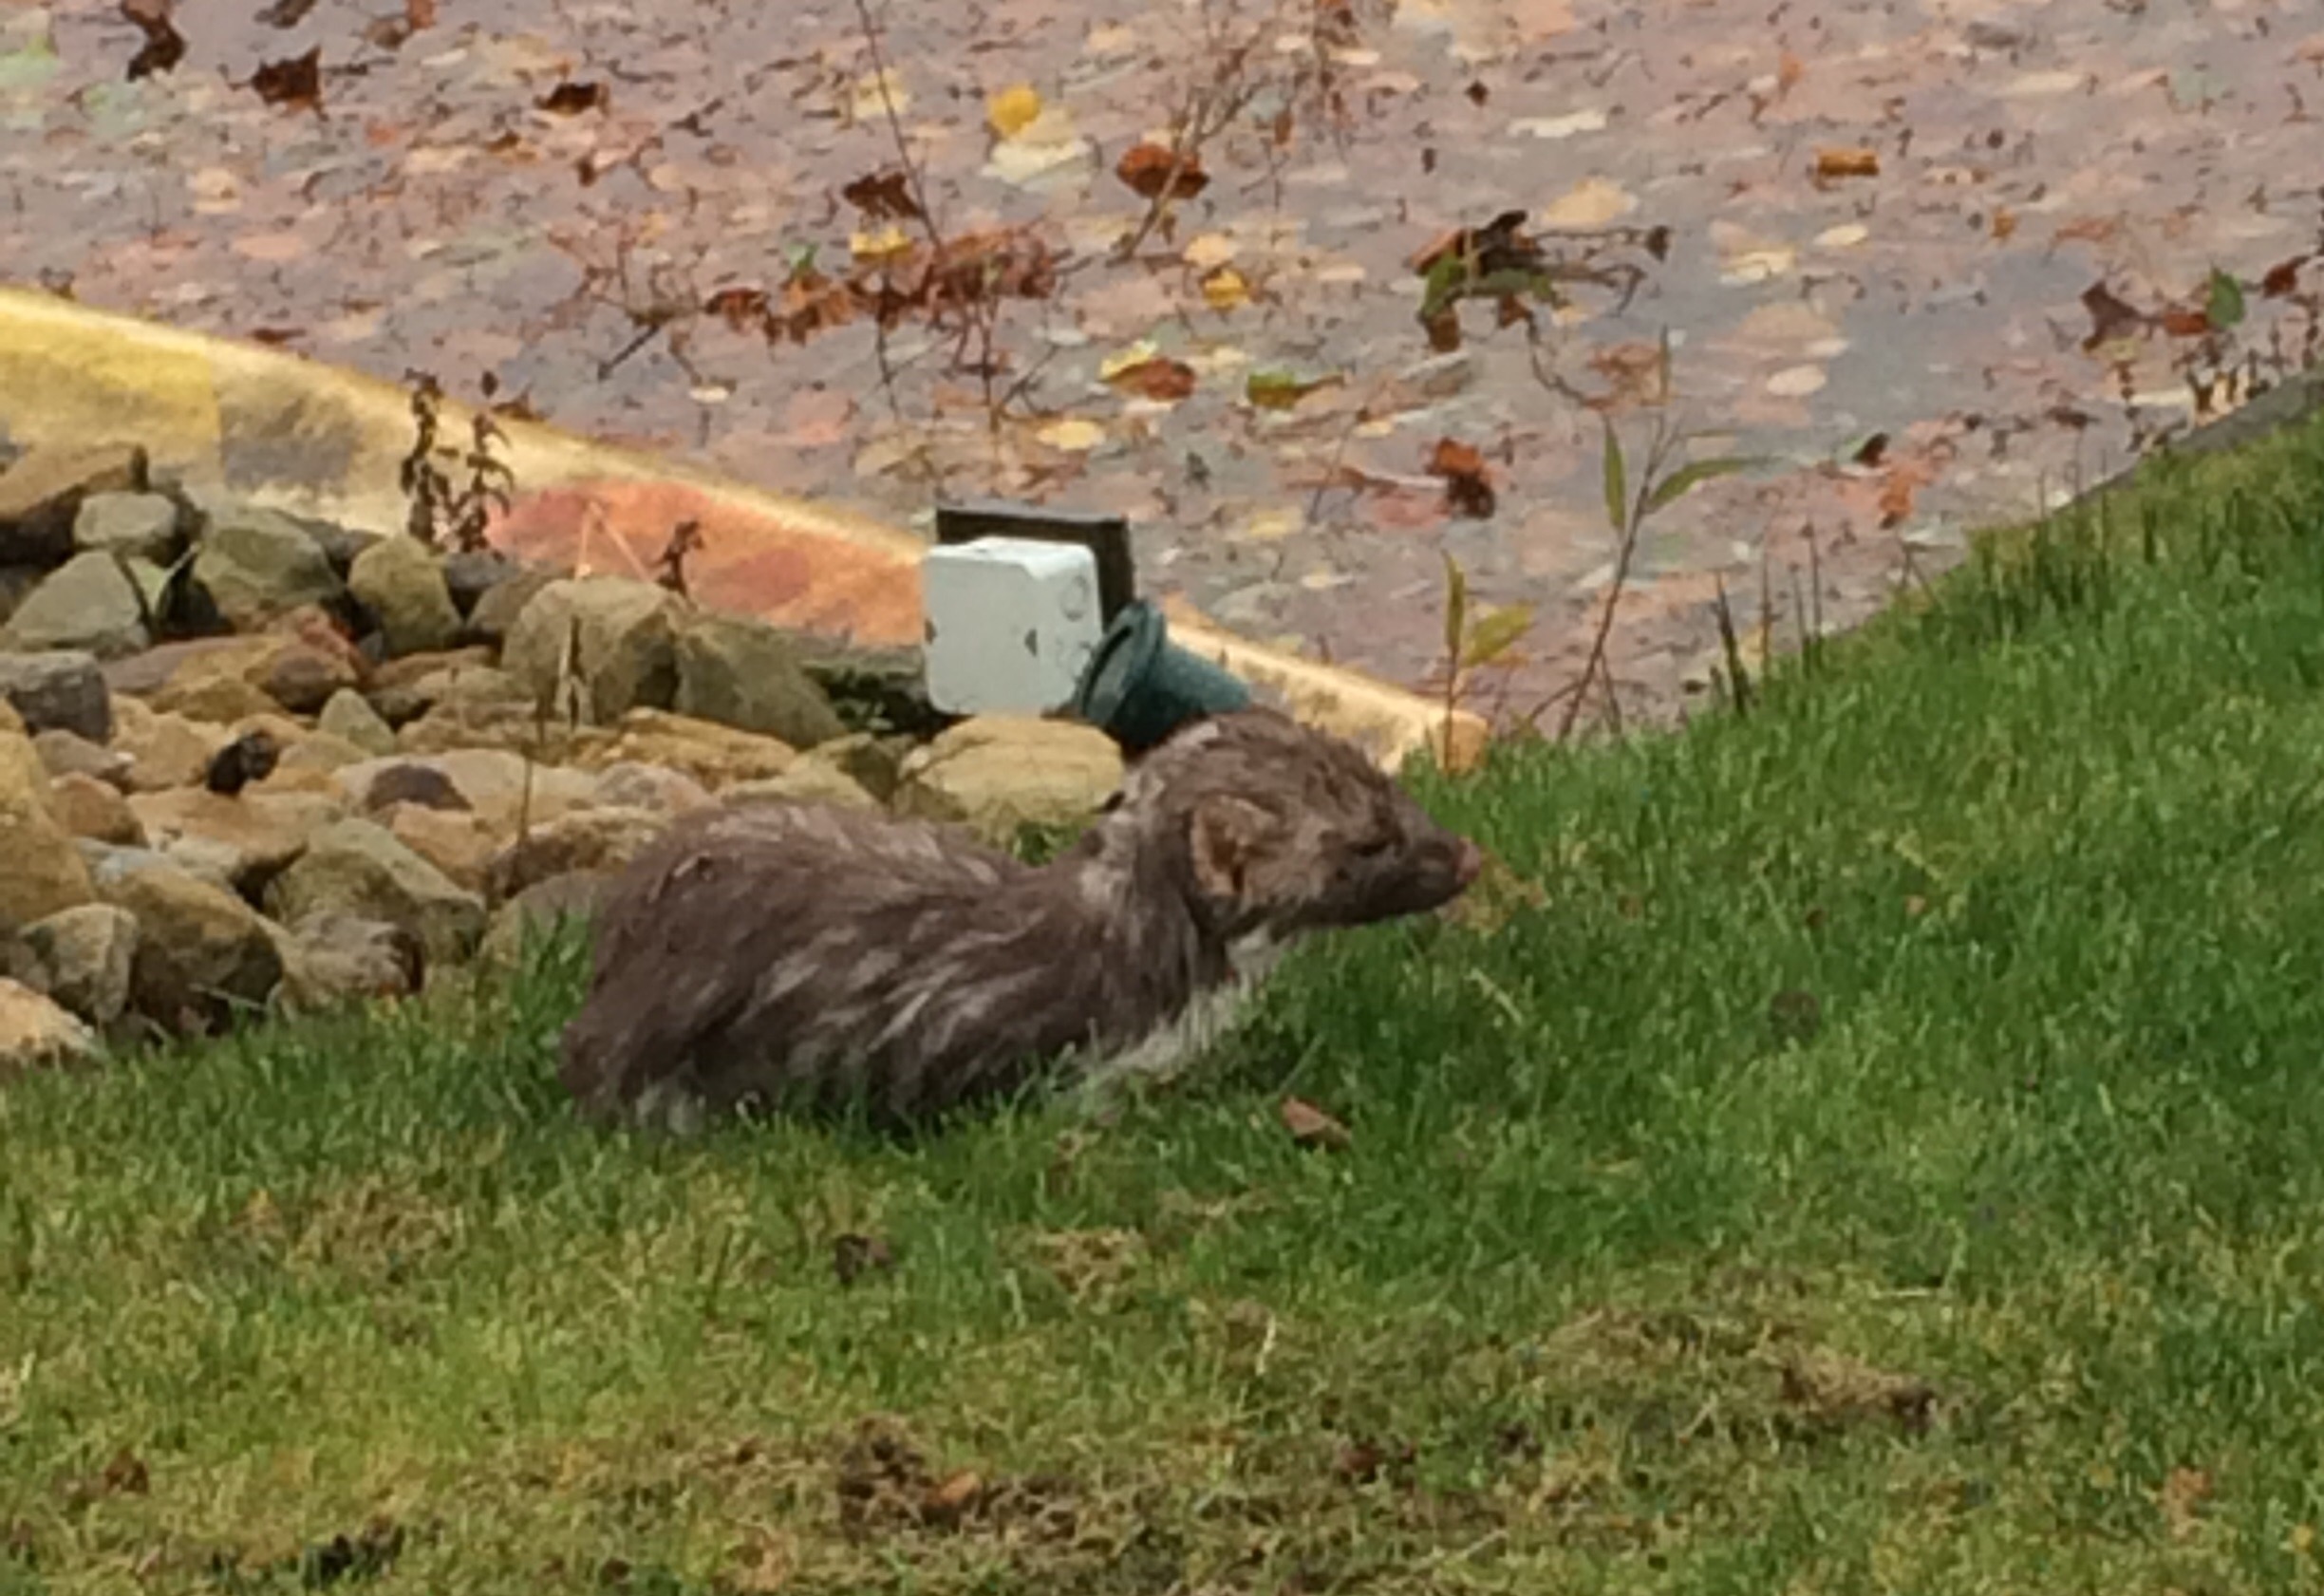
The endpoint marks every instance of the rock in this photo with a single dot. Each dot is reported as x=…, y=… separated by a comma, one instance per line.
x=202, y=953
x=357, y=868
x=517, y=728
x=590, y=840
x=349, y=716
x=41, y=872
x=247, y=840
x=459, y=842
x=87, y=806
x=63, y=754
x=164, y=750
x=470, y=574
x=391, y=682
x=307, y=765
x=714, y=755
x=41, y=492
x=332, y=959
x=1000, y=773
x=629, y=785
x=627, y=652
x=214, y=693
x=875, y=764
x=399, y=582
x=804, y=782
x=85, y=957
x=88, y=604
x=63, y=690
x=257, y=565
x=36, y=1032
x=143, y=526
x=878, y=690
x=16, y=582
x=741, y=672
x=492, y=617
x=492, y=781
x=323, y=659
x=541, y=909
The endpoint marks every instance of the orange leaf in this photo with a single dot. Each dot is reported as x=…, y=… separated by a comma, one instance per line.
x=1149, y=168
x=1851, y=163
x=1159, y=379
x=1311, y=1126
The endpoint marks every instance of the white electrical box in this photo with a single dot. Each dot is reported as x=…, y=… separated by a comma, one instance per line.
x=1012, y=623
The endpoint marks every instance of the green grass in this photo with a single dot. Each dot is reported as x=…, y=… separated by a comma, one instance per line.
x=1891, y=1159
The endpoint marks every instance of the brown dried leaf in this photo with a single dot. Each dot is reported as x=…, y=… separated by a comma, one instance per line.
x=740, y=305
x=883, y=196
x=1161, y=379
x=1856, y=162
x=570, y=98
x=1147, y=169
x=2179, y=322
x=294, y=85
x=1469, y=489
x=855, y=1256
x=951, y=1497
x=1311, y=1126
x=2283, y=277
x=2112, y=317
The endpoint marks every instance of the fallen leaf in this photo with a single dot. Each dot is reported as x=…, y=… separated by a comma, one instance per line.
x=163, y=49
x=1147, y=169
x=740, y=307
x=890, y=243
x=1208, y=250
x=294, y=85
x=2178, y=322
x=2283, y=277
x=1557, y=127
x=1281, y=390
x=1311, y=1126
x=878, y=95
x=1593, y=204
x=2004, y=221
x=2110, y=316
x=1073, y=434
x=855, y=1256
x=883, y=196
x=569, y=99
x=1159, y=378
x=1469, y=490
x=952, y=1496
x=1797, y=382
x=1013, y=110
x=1223, y=289
x=1856, y=162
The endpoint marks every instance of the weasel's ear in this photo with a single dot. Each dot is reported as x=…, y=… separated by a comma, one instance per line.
x=1225, y=836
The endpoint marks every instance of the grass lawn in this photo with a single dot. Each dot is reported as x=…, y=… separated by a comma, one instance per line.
x=1890, y=1159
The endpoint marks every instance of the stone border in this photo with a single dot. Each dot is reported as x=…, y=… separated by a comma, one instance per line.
x=280, y=430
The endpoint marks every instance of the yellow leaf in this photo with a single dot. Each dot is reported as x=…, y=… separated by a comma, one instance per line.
x=887, y=244
x=1073, y=435
x=1208, y=250
x=875, y=94
x=1013, y=110
x=1223, y=289
x=1594, y=203
x=1268, y=525
x=1135, y=355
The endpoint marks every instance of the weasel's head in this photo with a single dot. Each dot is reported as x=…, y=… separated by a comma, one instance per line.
x=1285, y=829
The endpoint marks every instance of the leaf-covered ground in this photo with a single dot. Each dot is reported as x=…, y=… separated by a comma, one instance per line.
x=1933, y=258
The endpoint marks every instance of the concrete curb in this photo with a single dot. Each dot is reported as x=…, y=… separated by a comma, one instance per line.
x=279, y=429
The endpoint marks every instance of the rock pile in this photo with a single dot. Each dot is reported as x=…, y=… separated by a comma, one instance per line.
x=250, y=762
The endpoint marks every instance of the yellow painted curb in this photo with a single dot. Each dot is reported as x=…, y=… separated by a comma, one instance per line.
x=279, y=429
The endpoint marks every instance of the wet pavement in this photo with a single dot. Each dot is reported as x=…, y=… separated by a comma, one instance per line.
x=1933, y=261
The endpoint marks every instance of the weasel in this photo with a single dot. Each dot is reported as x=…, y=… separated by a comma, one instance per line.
x=774, y=955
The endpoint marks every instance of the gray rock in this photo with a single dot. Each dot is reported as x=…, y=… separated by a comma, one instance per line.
x=470, y=574
x=63, y=753
x=632, y=785
x=493, y=614
x=63, y=690
x=330, y=960
x=36, y=1032
x=349, y=716
x=256, y=565
x=878, y=690
x=745, y=673
x=541, y=909
x=202, y=953
x=146, y=526
x=86, y=956
x=41, y=492
x=248, y=839
x=87, y=604
x=623, y=636
x=400, y=581
x=404, y=689
x=357, y=868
